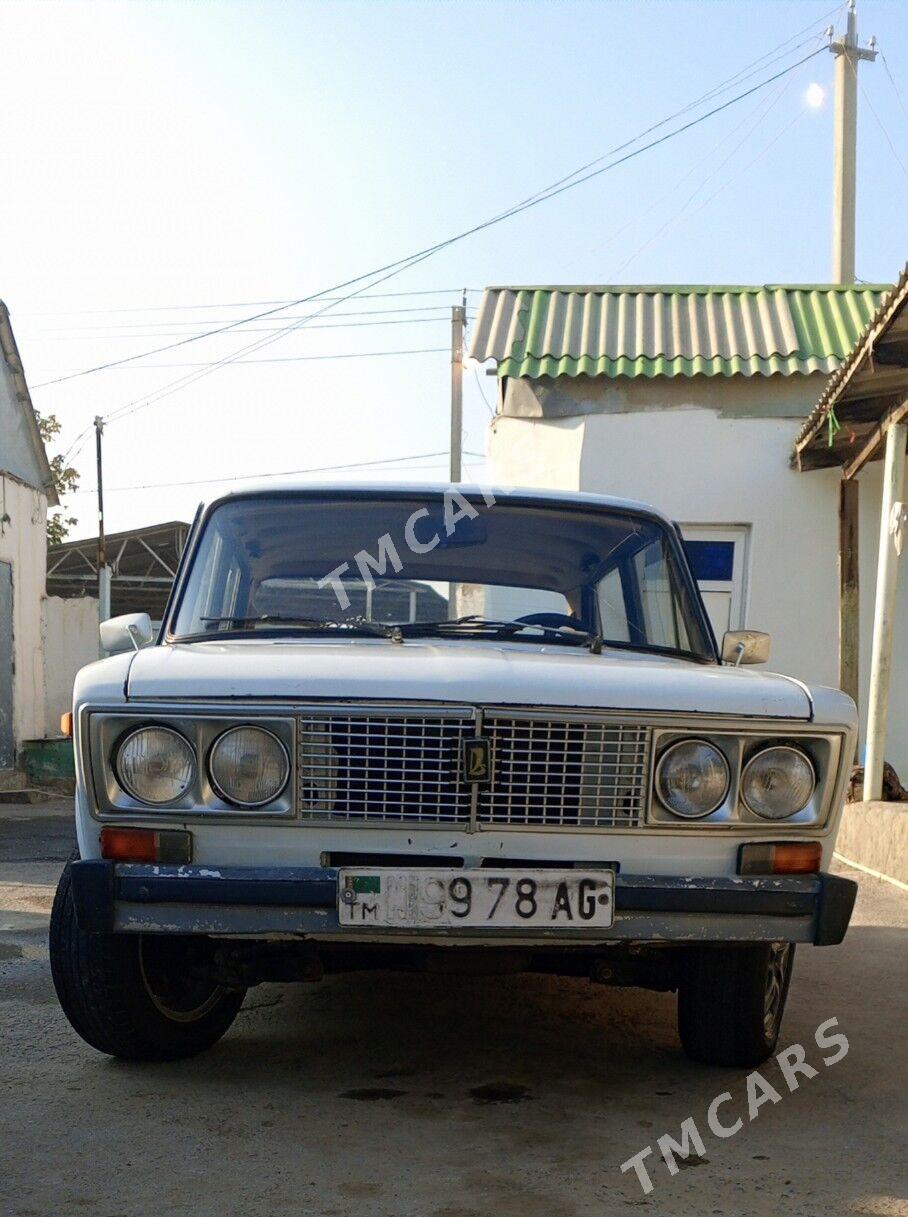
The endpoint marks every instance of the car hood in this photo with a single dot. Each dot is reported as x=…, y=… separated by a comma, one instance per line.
x=465, y=671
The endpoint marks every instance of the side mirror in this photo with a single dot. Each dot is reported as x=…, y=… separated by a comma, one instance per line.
x=745, y=646
x=131, y=631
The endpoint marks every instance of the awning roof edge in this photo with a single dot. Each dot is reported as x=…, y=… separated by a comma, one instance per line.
x=869, y=410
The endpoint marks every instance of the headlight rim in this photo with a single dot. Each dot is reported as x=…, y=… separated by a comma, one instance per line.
x=657, y=777
x=778, y=747
x=222, y=794
x=124, y=739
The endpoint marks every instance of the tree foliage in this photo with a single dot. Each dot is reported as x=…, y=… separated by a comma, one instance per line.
x=66, y=479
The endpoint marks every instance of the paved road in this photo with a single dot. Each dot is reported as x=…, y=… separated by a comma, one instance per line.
x=409, y=1096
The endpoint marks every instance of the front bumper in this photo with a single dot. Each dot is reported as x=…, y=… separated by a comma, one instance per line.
x=259, y=901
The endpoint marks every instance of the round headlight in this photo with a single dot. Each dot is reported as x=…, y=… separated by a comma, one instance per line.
x=248, y=766
x=778, y=782
x=692, y=778
x=155, y=765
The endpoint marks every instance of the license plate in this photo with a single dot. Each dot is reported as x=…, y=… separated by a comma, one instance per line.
x=445, y=899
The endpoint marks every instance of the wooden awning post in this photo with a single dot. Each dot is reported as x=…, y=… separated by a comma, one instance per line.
x=849, y=589
x=884, y=611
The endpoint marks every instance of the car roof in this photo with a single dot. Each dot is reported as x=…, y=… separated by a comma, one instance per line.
x=521, y=495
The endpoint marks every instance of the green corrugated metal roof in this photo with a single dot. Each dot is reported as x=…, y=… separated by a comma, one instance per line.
x=775, y=329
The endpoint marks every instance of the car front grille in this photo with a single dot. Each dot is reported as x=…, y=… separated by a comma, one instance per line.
x=550, y=771
x=403, y=766
x=369, y=767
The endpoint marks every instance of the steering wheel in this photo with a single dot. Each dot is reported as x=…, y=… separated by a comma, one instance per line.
x=552, y=621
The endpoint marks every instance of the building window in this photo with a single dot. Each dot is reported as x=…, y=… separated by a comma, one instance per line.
x=719, y=557
x=711, y=560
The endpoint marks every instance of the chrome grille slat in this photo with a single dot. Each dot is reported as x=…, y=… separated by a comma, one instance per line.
x=548, y=771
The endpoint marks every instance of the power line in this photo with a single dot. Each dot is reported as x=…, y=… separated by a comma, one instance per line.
x=250, y=477
x=739, y=77
x=744, y=73
x=173, y=308
x=191, y=377
x=879, y=121
x=295, y=358
x=443, y=310
x=482, y=393
x=671, y=193
x=766, y=107
x=401, y=264
x=798, y=117
x=397, y=268
x=896, y=89
x=271, y=329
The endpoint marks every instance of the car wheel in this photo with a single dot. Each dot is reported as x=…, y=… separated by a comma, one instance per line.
x=731, y=1001
x=142, y=997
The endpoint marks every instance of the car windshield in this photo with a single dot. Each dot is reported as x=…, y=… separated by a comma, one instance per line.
x=439, y=563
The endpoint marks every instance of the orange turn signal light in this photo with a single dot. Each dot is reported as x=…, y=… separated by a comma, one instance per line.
x=145, y=845
x=780, y=858
x=66, y=724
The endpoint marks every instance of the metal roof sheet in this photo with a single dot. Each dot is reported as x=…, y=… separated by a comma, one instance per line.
x=671, y=330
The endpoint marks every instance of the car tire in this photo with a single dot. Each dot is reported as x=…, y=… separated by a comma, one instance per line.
x=135, y=996
x=731, y=1001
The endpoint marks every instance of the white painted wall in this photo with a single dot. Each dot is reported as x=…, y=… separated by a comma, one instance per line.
x=23, y=544
x=544, y=453
x=70, y=642
x=701, y=466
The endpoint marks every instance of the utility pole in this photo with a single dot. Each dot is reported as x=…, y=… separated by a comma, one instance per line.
x=458, y=321
x=103, y=568
x=848, y=55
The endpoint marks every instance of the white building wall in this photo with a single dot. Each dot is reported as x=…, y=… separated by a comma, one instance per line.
x=70, y=642
x=23, y=544
x=700, y=467
x=545, y=453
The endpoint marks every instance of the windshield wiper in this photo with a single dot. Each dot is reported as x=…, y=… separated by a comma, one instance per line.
x=314, y=624
x=396, y=632
x=501, y=629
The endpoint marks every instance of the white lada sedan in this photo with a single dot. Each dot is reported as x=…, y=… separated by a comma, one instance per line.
x=449, y=729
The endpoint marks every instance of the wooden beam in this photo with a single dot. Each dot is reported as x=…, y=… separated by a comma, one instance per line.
x=817, y=458
x=849, y=589
x=880, y=382
x=877, y=435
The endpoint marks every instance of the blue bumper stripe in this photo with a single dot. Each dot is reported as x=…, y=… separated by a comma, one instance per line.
x=98, y=886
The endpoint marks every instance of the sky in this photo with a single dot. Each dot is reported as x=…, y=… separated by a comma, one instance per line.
x=171, y=168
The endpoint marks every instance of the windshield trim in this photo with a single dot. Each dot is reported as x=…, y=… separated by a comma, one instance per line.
x=515, y=498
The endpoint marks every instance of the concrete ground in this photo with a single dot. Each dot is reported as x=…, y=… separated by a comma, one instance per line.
x=392, y=1096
